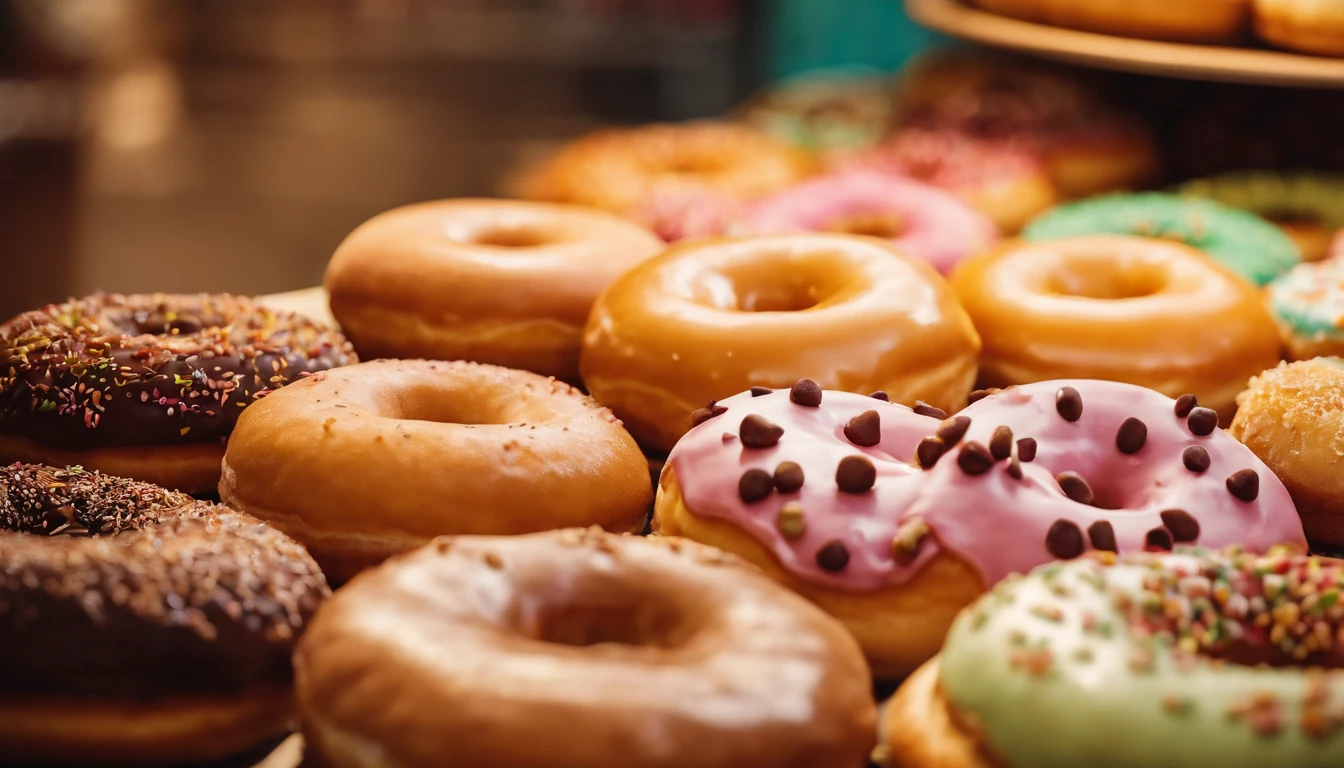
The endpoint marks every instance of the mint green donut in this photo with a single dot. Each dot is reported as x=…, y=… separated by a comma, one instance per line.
x=1087, y=663
x=1240, y=241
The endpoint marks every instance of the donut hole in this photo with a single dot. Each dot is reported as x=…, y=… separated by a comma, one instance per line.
x=883, y=224
x=1107, y=279
x=692, y=164
x=637, y=623
x=778, y=290
x=508, y=237
x=427, y=402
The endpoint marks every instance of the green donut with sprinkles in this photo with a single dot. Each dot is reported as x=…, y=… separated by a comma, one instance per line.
x=1179, y=660
x=1307, y=301
x=1240, y=241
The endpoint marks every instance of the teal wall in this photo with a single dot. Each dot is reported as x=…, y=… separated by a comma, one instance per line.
x=815, y=34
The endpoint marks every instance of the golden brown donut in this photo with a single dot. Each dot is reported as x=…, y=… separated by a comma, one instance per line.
x=1137, y=310
x=579, y=649
x=364, y=462
x=1196, y=21
x=495, y=281
x=711, y=318
x=1309, y=26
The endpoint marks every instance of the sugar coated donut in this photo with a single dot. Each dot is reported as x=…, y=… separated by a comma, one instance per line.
x=1309, y=26
x=1308, y=302
x=147, y=386
x=1308, y=207
x=367, y=461
x=921, y=220
x=825, y=109
x=828, y=492
x=1195, y=21
x=1129, y=309
x=1240, y=241
x=579, y=649
x=494, y=281
x=139, y=626
x=1292, y=417
x=1181, y=660
x=711, y=318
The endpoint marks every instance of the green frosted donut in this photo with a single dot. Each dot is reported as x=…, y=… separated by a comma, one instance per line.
x=1098, y=663
x=823, y=110
x=1308, y=302
x=1240, y=241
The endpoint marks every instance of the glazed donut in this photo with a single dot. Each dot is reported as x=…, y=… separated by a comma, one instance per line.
x=921, y=220
x=825, y=492
x=147, y=386
x=1128, y=309
x=1308, y=303
x=822, y=110
x=710, y=318
x=494, y=281
x=367, y=461
x=1194, y=21
x=140, y=626
x=1292, y=417
x=1203, y=658
x=1240, y=241
x=1308, y=207
x=579, y=649
x=1004, y=182
x=1309, y=26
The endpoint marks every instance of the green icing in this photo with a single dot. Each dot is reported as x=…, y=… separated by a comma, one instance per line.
x=1055, y=674
x=1240, y=241
x=1309, y=299
x=1320, y=196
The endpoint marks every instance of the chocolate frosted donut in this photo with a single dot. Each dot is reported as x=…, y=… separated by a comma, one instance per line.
x=147, y=386
x=140, y=625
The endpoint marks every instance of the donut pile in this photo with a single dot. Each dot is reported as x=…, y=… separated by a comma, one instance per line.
x=595, y=498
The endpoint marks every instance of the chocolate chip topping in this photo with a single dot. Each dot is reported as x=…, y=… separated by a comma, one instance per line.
x=880, y=395
x=1183, y=525
x=1075, y=487
x=974, y=458
x=1026, y=449
x=1014, y=467
x=833, y=556
x=1069, y=403
x=760, y=432
x=855, y=474
x=865, y=429
x=1001, y=443
x=761, y=391
x=1064, y=540
x=980, y=394
x=952, y=430
x=1244, y=484
x=806, y=393
x=1158, y=539
x=1102, y=534
x=1131, y=436
x=788, y=477
x=1202, y=421
x=1196, y=459
x=1185, y=404
x=701, y=415
x=754, y=485
x=924, y=409
x=929, y=450
x=790, y=520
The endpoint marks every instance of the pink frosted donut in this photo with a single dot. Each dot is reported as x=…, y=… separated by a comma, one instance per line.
x=924, y=221
x=683, y=212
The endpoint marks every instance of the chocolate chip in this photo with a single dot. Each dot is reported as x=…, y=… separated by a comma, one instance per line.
x=833, y=556
x=1014, y=468
x=790, y=520
x=865, y=429
x=1183, y=526
x=701, y=415
x=1001, y=443
x=788, y=477
x=929, y=451
x=1069, y=403
x=759, y=432
x=1196, y=459
x=1131, y=436
x=1026, y=449
x=980, y=394
x=1102, y=534
x=1075, y=487
x=855, y=474
x=1244, y=484
x=924, y=409
x=806, y=393
x=1064, y=540
x=952, y=430
x=760, y=391
x=1158, y=539
x=1185, y=404
x=880, y=395
x=974, y=459
x=1202, y=421
x=754, y=485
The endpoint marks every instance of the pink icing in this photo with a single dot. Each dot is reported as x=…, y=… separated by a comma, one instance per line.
x=934, y=225
x=997, y=523
x=677, y=213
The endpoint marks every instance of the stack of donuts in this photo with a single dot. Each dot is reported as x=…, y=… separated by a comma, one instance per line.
x=589, y=497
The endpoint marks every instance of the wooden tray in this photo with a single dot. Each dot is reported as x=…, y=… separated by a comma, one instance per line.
x=1192, y=62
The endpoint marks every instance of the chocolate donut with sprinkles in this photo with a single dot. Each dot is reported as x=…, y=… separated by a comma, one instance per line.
x=894, y=519
x=1189, y=659
x=148, y=386
x=140, y=626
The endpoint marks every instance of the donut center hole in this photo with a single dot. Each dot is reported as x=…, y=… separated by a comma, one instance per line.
x=887, y=226
x=788, y=288
x=692, y=165
x=581, y=626
x=1105, y=280
x=509, y=237
x=1292, y=218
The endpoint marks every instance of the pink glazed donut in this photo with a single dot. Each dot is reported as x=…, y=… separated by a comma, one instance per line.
x=922, y=220
x=894, y=519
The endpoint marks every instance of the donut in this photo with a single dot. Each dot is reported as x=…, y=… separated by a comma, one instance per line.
x=678, y=214
x=1130, y=309
x=147, y=386
x=709, y=318
x=364, y=462
x=828, y=492
x=1292, y=417
x=1184, y=659
x=1308, y=303
x=579, y=649
x=823, y=110
x=1308, y=207
x=494, y=281
x=921, y=220
x=1193, y=21
x=1308, y=26
x=1001, y=180
x=139, y=626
